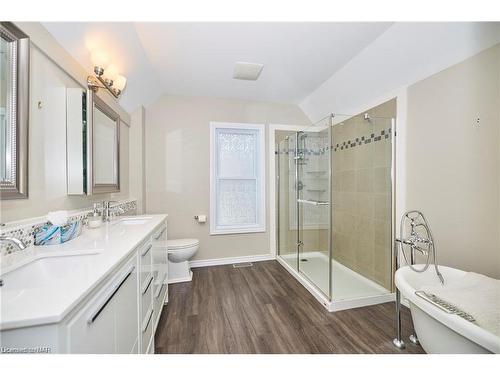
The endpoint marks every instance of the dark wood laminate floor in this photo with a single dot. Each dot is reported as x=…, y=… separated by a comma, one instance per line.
x=263, y=309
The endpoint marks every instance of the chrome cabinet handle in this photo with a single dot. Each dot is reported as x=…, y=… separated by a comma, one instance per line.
x=145, y=326
x=161, y=286
x=103, y=305
x=145, y=289
x=158, y=290
x=163, y=231
x=145, y=251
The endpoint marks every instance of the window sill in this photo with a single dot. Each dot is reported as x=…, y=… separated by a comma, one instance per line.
x=237, y=231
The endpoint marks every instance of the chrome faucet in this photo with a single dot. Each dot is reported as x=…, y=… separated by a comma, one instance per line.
x=13, y=240
x=415, y=240
x=106, y=213
x=422, y=242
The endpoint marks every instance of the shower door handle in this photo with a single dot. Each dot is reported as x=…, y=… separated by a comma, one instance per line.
x=314, y=203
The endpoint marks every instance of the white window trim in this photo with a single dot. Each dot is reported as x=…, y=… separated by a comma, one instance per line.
x=261, y=189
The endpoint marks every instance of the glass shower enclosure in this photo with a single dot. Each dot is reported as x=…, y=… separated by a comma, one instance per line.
x=304, y=205
x=335, y=208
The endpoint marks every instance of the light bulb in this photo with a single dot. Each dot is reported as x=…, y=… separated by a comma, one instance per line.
x=99, y=58
x=120, y=82
x=111, y=73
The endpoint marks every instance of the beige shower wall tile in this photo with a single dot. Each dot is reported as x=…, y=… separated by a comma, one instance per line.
x=350, y=202
x=364, y=180
x=365, y=255
x=382, y=233
x=382, y=153
x=348, y=225
x=381, y=179
x=338, y=161
x=336, y=177
x=382, y=207
x=382, y=264
x=364, y=156
x=365, y=229
x=349, y=158
x=365, y=204
x=348, y=181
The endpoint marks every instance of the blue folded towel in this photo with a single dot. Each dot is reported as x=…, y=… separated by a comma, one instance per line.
x=52, y=234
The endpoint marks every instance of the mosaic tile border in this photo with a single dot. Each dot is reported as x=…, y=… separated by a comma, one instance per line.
x=359, y=141
x=26, y=232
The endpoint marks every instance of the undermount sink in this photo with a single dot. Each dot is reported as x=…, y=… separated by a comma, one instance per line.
x=45, y=271
x=134, y=220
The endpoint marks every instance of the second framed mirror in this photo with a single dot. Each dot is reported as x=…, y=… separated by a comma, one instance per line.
x=105, y=136
x=93, y=144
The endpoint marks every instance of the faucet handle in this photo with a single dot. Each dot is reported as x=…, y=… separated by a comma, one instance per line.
x=108, y=203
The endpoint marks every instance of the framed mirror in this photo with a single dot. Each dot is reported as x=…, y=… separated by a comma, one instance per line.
x=105, y=147
x=14, y=111
x=93, y=144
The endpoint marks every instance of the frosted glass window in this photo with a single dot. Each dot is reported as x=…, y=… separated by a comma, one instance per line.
x=236, y=151
x=237, y=200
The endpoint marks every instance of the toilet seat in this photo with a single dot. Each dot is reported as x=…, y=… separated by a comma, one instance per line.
x=182, y=243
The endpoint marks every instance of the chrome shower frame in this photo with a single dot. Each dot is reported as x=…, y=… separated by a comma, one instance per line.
x=328, y=300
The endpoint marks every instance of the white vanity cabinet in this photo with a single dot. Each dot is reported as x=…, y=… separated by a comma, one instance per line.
x=119, y=314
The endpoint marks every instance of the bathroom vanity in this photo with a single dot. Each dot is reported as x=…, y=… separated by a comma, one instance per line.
x=100, y=293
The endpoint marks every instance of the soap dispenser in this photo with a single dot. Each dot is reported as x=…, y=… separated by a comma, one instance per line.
x=95, y=219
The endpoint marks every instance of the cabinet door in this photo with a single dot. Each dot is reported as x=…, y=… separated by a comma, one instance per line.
x=93, y=328
x=96, y=336
x=126, y=314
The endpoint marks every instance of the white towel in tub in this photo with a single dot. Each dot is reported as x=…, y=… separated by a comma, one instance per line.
x=475, y=294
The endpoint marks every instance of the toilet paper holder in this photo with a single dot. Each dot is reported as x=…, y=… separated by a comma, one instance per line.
x=200, y=218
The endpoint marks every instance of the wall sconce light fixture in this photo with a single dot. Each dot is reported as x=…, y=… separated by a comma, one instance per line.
x=108, y=78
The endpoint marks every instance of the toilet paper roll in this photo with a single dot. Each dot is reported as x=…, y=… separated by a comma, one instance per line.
x=202, y=218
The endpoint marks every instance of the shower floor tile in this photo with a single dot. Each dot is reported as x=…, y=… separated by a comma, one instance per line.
x=263, y=309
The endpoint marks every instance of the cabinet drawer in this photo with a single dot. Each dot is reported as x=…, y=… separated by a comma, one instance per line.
x=159, y=299
x=161, y=234
x=160, y=259
x=145, y=254
x=147, y=330
x=146, y=295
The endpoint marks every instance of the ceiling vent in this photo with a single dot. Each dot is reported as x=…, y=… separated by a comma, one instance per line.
x=247, y=71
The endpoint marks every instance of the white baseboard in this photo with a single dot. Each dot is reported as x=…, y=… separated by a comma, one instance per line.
x=230, y=260
x=181, y=279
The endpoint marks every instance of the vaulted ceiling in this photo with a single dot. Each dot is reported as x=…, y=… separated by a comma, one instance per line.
x=197, y=59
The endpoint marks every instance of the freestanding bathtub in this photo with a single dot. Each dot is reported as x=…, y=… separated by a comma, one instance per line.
x=437, y=330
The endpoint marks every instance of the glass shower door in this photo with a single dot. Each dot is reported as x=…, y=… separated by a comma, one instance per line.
x=313, y=206
x=287, y=230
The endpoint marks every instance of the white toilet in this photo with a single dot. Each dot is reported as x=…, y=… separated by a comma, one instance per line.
x=179, y=253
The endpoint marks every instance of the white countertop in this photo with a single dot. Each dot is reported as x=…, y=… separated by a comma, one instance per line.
x=45, y=298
